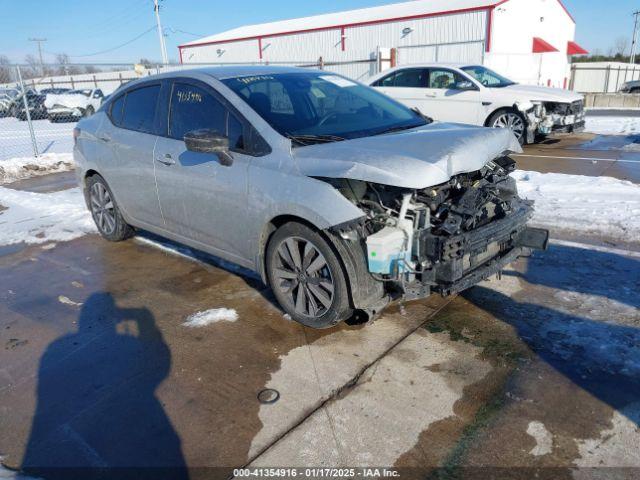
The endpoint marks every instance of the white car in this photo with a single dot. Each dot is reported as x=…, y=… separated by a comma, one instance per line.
x=476, y=95
x=74, y=104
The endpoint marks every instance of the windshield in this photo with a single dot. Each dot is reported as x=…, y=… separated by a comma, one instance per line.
x=488, y=77
x=86, y=93
x=310, y=107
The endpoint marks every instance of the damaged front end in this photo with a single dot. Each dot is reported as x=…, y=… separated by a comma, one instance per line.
x=442, y=239
x=545, y=118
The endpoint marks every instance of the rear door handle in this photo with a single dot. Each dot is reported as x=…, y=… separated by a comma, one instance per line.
x=104, y=138
x=431, y=95
x=166, y=159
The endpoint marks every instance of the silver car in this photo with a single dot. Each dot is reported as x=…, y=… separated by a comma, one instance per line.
x=341, y=198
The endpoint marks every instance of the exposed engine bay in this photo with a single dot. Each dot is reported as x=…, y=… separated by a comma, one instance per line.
x=544, y=118
x=445, y=238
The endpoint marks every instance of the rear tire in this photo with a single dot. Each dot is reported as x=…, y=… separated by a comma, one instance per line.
x=512, y=120
x=307, y=277
x=105, y=211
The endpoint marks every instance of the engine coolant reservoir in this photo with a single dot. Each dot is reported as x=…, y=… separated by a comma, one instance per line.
x=388, y=248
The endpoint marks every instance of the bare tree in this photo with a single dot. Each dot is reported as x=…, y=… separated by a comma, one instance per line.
x=621, y=46
x=64, y=68
x=33, y=67
x=6, y=75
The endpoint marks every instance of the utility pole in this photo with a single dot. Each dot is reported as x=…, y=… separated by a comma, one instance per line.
x=635, y=38
x=39, y=40
x=163, y=48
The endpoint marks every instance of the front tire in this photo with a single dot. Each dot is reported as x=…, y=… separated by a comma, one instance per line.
x=105, y=211
x=306, y=277
x=89, y=111
x=512, y=120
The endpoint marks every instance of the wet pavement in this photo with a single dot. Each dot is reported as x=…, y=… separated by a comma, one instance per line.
x=534, y=375
x=615, y=156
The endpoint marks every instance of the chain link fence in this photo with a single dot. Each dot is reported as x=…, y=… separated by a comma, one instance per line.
x=40, y=105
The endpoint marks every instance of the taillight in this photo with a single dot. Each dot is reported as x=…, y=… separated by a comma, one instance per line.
x=76, y=134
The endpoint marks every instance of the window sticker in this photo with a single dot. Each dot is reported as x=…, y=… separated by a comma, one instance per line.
x=254, y=79
x=189, y=97
x=339, y=81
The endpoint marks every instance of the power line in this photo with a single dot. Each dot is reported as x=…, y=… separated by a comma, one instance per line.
x=113, y=48
x=39, y=40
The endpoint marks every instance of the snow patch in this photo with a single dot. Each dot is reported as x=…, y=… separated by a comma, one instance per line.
x=67, y=301
x=37, y=218
x=543, y=438
x=6, y=474
x=612, y=125
x=615, y=446
x=595, y=205
x=13, y=169
x=202, y=319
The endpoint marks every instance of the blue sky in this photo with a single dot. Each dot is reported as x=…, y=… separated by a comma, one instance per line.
x=83, y=27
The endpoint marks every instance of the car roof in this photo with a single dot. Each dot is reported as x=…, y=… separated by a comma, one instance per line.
x=225, y=72
x=221, y=73
x=435, y=65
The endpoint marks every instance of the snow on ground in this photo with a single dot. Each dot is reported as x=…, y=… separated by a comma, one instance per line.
x=15, y=139
x=13, y=169
x=202, y=319
x=43, y=217
x=589, y=205
x=613, y=125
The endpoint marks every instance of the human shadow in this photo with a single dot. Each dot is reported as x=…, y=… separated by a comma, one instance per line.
x=97, y=415
x=602, y=358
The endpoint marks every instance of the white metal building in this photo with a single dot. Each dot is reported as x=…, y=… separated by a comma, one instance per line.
x=528, y=40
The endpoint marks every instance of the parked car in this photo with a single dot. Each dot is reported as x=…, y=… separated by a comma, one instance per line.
x=35, y=102
x=8, y=102
x=630, y=87
x=341, y=198
x=476, y=95
x=54, y=91
x=74, y=104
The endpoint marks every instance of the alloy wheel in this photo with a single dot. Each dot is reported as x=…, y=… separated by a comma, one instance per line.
x=303, y=277
x=103, y=209
x=512, y=121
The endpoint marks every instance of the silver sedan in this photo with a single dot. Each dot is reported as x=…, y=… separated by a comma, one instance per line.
x=340, y=197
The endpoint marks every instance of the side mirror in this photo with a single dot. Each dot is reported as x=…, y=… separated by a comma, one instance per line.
x=209, y=141
x=465, y=85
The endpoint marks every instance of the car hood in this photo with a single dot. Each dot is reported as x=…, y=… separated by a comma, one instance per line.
x=69, y=100
x=415, y=159
x=532, y=92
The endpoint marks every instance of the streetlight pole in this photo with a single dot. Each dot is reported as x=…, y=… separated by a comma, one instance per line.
x=163, y=48
x=635, y=37
x=39, y=40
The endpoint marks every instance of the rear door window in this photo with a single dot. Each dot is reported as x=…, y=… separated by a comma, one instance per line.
x=140, y=109
x=117, y=107
x=411, y=78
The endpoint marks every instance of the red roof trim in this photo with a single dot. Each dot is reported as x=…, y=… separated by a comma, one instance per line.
x=542, y=46
x=574, y=49
x=349, y=25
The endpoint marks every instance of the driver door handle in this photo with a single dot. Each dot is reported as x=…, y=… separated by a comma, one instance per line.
x=166, y=159
x=431, y=94
x=104, y=138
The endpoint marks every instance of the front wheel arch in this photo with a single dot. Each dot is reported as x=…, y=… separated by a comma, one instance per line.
x=514, y=110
